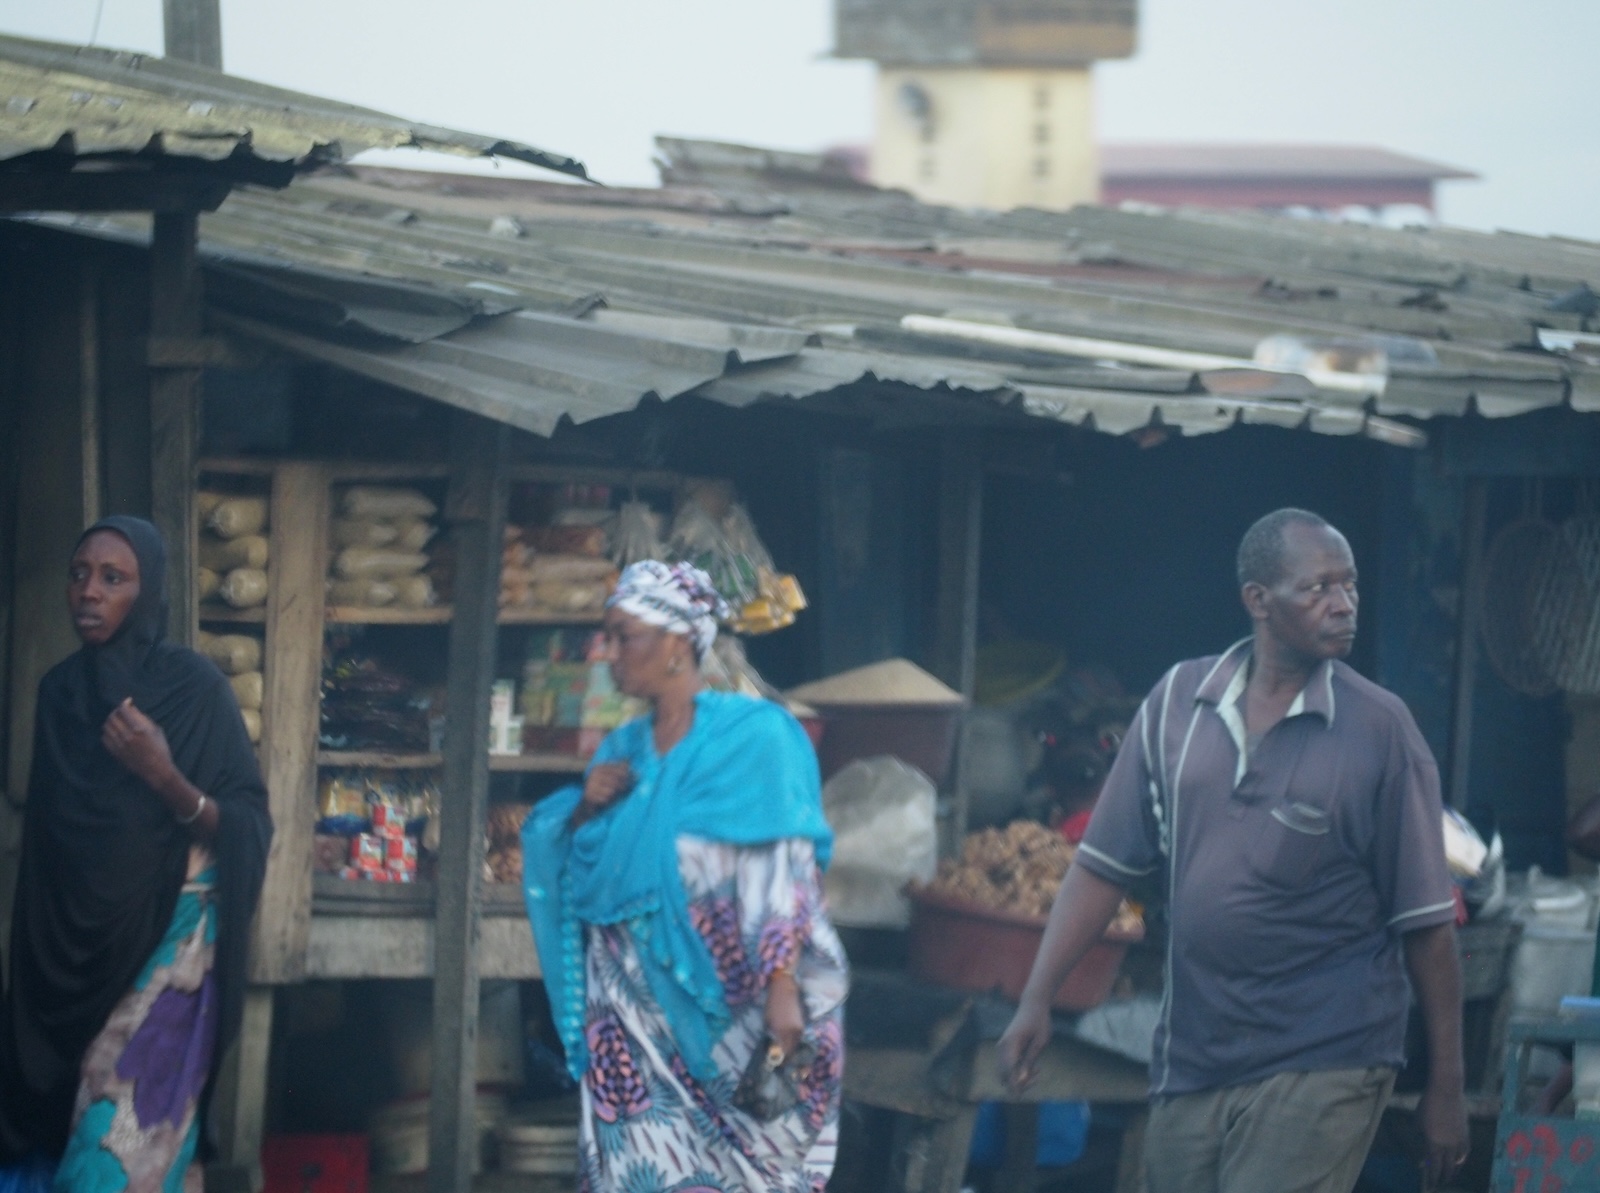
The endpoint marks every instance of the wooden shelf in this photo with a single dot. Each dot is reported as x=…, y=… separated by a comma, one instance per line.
x=351, y=615
x=332, y=895
x=540, y=617
x=553, y=764
x=549, y=764
x=441, y=615
x=344, y=472
x=255, y=616
x=240, y=466
x=379, y=759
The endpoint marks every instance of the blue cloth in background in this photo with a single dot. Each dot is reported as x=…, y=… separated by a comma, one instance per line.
x=745, y=774
x=33, y=1175
x=1063, y=1133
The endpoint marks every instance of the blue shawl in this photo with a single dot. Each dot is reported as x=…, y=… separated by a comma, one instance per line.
x=745, y=774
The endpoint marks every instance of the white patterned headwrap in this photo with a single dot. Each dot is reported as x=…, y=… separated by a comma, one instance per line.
x=676, y=597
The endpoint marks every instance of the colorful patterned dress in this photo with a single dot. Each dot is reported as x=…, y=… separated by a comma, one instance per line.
x=135, y=1128
x=650, y=1127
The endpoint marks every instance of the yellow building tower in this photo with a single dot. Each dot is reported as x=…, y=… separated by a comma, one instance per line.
x=987, y=103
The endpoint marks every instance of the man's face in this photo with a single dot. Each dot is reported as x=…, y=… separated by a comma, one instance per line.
x=1311, y=609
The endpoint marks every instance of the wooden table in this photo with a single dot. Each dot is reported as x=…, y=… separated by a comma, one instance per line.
x=928, y=1054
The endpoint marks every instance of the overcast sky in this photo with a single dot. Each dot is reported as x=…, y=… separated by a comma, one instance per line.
x=1502, y=87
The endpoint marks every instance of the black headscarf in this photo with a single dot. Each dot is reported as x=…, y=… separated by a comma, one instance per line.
x=103, y=859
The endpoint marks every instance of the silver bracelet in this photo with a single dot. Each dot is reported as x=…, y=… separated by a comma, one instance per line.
x=195, y=815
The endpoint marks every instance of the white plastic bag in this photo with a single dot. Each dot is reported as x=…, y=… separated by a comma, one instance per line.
x=882, y=813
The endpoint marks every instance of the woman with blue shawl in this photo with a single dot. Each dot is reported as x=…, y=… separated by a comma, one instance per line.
x=676, y=902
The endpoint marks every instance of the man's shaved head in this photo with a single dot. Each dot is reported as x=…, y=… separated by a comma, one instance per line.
x=1261, y=551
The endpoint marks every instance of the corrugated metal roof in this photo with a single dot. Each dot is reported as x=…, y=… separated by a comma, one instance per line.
x=86, y=101
x=803, y=298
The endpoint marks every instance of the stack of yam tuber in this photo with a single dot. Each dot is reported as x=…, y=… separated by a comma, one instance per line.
x=238, y=656
x=248, y=689
x=1017, y=869
x=233, y=551
x=234, y=654
x=379, y=543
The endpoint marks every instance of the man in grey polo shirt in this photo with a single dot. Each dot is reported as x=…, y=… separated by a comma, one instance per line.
x=1292, y=809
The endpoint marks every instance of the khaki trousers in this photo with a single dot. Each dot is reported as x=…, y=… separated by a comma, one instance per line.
x=1292, y=1133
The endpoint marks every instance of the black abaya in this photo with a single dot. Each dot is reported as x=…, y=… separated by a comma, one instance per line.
x=103, y=858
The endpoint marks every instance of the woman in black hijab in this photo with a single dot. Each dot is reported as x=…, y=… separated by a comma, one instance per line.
x=144, y=842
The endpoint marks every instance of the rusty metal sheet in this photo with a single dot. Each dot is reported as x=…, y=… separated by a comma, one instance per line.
x=88, y=101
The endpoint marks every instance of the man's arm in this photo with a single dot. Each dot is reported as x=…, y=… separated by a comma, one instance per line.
x=1084, y=906
x=1435, y=968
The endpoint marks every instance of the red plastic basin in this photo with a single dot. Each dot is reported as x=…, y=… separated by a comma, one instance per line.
x=967, y=946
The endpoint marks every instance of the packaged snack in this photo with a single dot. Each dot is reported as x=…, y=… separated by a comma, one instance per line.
x=329, y=852
x=413, y=534
x=363, y=532
x=342, y=803
x=388, y=821
x=377, y=501
x=378, y=563
x=362, y=594
x=368, y=852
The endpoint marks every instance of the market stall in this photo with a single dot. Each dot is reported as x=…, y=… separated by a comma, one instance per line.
x=330, y=596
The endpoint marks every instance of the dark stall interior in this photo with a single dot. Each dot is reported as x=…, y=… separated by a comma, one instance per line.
x=1127, y=560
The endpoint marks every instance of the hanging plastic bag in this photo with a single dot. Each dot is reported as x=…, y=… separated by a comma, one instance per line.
x=882, y=813
x=638, y=535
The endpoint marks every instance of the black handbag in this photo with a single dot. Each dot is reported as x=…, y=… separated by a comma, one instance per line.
x=770, y=1086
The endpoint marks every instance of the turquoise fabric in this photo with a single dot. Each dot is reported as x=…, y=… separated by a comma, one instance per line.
x=745, y=774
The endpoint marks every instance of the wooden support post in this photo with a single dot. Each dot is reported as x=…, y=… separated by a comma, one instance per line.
x=475, y=512
x=290, y=717
x=1473, y=530
x=241, y=1095
x=193, y=31
x=1018, y=1172
x=932, y=1153
x=176, y=309
x=960, y=534
x=956, y=624
x=89, y=389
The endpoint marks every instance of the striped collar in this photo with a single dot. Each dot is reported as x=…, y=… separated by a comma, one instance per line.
x=1223, y=688
x=1223, y=685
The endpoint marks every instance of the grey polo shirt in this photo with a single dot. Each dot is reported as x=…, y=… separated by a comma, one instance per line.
x=1293, y=869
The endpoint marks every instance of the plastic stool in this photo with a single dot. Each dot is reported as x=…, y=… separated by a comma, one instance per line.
x=1535, y=1153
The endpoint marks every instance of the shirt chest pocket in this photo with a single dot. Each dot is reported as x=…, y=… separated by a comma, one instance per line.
x=1292, y=844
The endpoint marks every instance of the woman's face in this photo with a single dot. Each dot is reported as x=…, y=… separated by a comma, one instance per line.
x=102, y=585
x=643, y=658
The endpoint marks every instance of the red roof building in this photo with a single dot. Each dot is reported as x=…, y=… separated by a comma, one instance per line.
x=1266, y=177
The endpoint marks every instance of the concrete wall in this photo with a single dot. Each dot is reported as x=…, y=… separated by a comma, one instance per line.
x=979, y=137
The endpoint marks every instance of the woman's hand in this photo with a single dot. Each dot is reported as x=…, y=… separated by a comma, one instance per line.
x=137, y=742
x=607, y=783
x=785, y=1018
